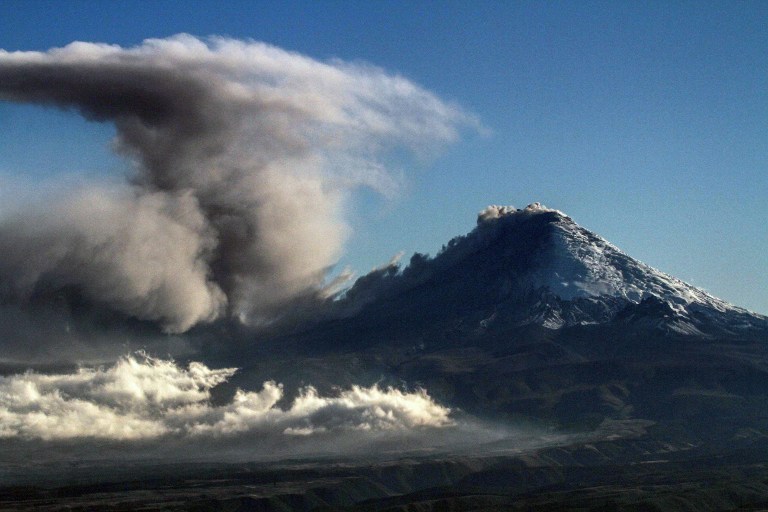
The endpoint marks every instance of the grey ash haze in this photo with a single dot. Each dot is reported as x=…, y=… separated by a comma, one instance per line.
x=244, y=157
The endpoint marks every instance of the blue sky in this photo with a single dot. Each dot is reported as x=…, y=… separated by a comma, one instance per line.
x=646, y=122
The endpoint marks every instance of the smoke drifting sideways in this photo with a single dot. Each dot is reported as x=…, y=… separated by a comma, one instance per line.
x=151, y=411
x=143, y=407
x=244, y=156
x=142, y=398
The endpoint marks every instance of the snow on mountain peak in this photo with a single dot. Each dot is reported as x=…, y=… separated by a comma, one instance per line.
x=582, y=264
x=578, y=264
x=537, y=266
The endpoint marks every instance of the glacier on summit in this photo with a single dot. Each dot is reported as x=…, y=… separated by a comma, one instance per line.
x=578, y=264
x=535, y=265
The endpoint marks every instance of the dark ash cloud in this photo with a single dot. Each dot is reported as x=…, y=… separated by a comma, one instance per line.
x=244, y=155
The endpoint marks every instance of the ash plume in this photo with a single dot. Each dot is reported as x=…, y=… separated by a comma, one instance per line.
x=244, y=156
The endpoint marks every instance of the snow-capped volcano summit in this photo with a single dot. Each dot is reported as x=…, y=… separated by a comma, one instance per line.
x=578, y=264
x=581, y=264
x=531, y=314
x=537, y=266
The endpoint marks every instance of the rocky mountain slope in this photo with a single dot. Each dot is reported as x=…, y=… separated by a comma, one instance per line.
x=531, y=316
x=537, y=266
x=625, y=388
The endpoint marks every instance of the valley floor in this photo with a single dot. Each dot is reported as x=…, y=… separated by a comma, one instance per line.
x=636, y=474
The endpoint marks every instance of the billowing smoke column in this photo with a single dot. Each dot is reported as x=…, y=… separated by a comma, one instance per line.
x=244, y=155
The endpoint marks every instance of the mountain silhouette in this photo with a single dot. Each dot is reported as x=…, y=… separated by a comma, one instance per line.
x=531, y=316
x=537, y=266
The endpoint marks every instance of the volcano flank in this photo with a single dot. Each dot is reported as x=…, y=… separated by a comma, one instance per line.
x=531, y=316
x=560, y=372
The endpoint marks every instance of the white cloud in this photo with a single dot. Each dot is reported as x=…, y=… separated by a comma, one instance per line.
x=142, y=398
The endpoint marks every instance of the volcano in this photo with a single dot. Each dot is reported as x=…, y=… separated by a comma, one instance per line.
x=537, y=266
x=578, y=378
x=531, y=316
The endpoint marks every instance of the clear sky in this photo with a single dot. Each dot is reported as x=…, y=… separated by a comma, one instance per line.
x=647, y=122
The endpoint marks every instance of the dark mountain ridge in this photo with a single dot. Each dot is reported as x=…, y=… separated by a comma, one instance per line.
x=538, y=266
x=533, y=317
x=654, y=393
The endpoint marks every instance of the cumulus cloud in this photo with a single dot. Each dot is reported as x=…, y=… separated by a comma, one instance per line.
x=141, y=398
x=244, y=155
